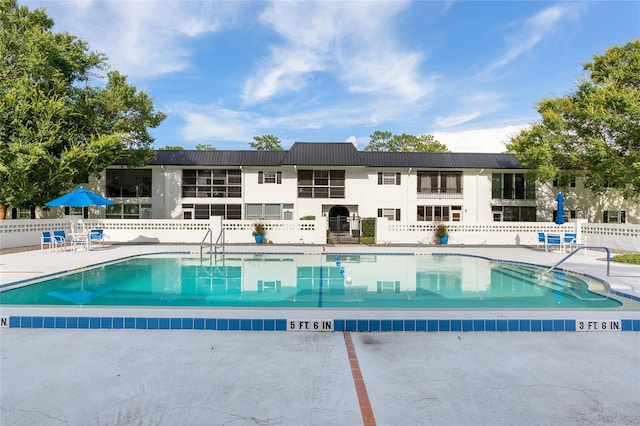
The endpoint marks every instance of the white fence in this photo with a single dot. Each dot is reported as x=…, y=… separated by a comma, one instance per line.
x=490, y=233
x=622, y=237
x=16, y=233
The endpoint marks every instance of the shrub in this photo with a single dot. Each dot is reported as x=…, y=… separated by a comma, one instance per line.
x=258, y=229
x=310, y=217
x=367, y=240
x=368, y=226
x=442, y=231
x=627, y=258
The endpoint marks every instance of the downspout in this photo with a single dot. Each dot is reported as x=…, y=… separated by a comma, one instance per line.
x=408, y=193
x=478, y=194
x=242, y=199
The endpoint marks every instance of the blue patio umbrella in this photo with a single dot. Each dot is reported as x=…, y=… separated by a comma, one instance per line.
x=559, y=219
x=79, y=198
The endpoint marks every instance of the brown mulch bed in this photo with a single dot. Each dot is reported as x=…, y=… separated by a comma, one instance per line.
x=18, y=249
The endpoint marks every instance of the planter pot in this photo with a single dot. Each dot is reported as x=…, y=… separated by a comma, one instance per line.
x=444, y=240
x=259, y=239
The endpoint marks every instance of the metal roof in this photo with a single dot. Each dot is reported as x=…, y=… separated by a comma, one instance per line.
x=335, y=154
x=217, y=158
x=323, y=154
x=456, y=160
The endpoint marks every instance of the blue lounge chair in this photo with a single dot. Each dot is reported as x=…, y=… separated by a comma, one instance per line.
x=571, y=239
x=61, y=238
x=96, y=236
x=553, y=240
x=47, y=239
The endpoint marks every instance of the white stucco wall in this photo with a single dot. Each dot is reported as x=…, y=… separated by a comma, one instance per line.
x=363, y=196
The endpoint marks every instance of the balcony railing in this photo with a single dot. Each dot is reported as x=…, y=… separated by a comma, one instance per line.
x=441, y=193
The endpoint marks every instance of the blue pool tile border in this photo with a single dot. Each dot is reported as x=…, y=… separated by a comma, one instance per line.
x=270, y=324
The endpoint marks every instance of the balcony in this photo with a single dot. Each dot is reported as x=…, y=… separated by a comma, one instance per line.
x=440, y=193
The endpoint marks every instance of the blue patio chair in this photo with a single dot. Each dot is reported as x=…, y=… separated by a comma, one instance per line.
x=571, y=240
x=542, y=239
x=61, y=238
x=96, y=236
x=47, y=239
x=553, y=240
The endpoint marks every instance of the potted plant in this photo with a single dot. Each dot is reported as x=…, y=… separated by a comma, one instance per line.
x=259, y=232
x=442, y=233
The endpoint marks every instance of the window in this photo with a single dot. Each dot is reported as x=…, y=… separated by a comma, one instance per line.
x=321, y=178
x=513, y=214
x=212, y=183
x=254, y=211
x=321, y=183
x=439, y=213
x=388, y=178
x=270, y=177
x=614, y=216
x=496, y=185
x=512, y=186
x=439, y=183
x=571, y=182
x=128, y=183
x=128, y=211
x=206, y=211
x=266, y=211
x=391, y=214
x=74, y=211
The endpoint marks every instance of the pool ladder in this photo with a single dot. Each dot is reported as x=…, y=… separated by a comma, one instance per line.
x=219, y=243
x=584, y=248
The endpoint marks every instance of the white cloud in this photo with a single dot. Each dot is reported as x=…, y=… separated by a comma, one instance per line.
x=456, y=120
x=285, y=72
x=532, y=31
x=353, y=140
x=217, y=125
x=349, y=40
x=478, y=140
x=141, y=38
x=211, y=123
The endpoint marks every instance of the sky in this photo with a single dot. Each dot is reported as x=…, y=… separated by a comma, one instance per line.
x=468, y=72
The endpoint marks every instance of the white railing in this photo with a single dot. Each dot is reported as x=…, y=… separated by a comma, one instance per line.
x=620, y=237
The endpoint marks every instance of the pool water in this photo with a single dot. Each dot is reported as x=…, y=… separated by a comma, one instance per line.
x=317, y=281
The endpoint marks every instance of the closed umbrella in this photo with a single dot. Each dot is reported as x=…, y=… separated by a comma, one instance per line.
x=559, y=219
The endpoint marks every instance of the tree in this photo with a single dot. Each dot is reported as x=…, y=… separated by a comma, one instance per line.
x=172, y=148
x=266, y=143
x=56, y=128
x=387, y=141
x=427, y=143
x=205, y=147
x=593, y=132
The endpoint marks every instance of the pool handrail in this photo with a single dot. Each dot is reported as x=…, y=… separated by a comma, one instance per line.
x=583, y=248
x=202, y=243
x=219, y=242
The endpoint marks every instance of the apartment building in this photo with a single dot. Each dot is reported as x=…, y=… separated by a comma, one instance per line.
x=323, y=179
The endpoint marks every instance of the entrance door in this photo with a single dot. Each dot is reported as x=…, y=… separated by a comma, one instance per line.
x=338, y=216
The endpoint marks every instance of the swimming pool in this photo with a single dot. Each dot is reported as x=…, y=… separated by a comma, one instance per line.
x=317, y=281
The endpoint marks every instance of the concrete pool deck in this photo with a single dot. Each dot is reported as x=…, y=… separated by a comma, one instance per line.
x=200, y=377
